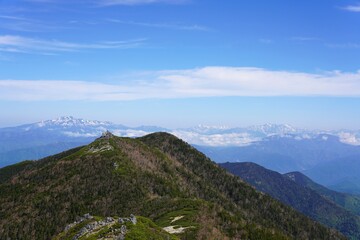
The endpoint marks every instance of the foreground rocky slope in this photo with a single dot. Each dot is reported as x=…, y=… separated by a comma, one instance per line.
x=93, y=227
x=157, y=176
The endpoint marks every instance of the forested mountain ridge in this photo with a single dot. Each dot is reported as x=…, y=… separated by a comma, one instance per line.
x=157, y=176
x=287, y=189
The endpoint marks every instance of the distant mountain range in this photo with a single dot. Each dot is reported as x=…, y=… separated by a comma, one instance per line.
x=329, y=162
x=280, y=147
x=242, y=136
x=70, y=127
x=286, y=154
x=333, y=209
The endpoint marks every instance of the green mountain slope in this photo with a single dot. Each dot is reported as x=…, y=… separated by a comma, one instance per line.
x=157, y=176
x=298, y=196
x=348, y=201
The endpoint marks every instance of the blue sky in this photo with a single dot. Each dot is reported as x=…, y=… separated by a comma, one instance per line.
x=178, y=63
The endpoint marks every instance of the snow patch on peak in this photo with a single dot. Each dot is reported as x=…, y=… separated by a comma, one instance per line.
x=269, y=128
x=221, y=127
x=207, y=128
x=69, y=121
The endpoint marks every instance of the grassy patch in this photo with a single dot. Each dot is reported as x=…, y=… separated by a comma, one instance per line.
x=189, y=215
x=146, y=229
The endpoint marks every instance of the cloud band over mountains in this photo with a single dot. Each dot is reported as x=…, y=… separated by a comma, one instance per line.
x=199, y=82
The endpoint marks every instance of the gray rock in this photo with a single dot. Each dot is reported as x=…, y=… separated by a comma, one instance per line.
x=123, y=229
x=109, y=220
x=67, y=228
x=106, y=135
x=83, y=231
x=119, y=237
x=80, y=233
x=133, y=219
x=90, y=226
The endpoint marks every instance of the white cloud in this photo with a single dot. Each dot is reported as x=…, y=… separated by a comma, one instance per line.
x=232, y=81
x=352, y=8
x=349, y=138
x=12, y=17
x=343, y=45
x=79, y=135
x=193, y=27
x=129, y=133
x=304, y=39
x=200, y=82
x=22, y=24
x=12, y=43
x=224, y=139
x=265, y=40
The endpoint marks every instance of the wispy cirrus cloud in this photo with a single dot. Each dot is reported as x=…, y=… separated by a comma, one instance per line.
x=193, y=27
x=10, y=43
x=344, y=45
x=352, y=8
x=266, y=40
x=22, y=24
x=12, y=17
x=70, y=90
x=200, y=82
x=139, y=2
x=304, y=39
x=109, y=2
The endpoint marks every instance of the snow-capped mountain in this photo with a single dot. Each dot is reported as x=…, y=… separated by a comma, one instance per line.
x=70, y=132
x=274, y=129
x=205, y=129
x=70, y=121
x=81, y=128
x=85, y=130
x=201, y=135
x=70, y=126
x=264, y=130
